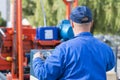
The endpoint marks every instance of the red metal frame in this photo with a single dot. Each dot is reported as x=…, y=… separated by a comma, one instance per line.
x=24, y=39
x=29, y=43
x=5, y=65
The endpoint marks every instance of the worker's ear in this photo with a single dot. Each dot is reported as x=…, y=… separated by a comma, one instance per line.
x=72, y=24
x=91, y=24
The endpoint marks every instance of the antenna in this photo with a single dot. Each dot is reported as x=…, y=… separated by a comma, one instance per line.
x=43, y=11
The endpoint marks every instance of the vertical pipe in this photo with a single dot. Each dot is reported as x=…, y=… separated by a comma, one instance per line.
x=68, y=10
x=14, y=50
x=44, y=14
x=19, y=38
x=75, y=3
x=2, y=76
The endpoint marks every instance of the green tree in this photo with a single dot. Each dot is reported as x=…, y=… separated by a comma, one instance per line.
x=2, y=21
x=106, y=15
x=28, y=7
x=54, y=10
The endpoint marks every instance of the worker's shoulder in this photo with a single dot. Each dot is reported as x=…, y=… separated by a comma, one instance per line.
x=65, y=43
x=73, y=41
x=70, y=42
x=103, y=44
x=61, y=45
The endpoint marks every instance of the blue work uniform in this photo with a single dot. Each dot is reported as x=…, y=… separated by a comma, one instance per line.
x=81, y=58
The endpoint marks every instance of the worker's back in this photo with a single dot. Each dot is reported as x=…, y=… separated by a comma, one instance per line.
x=81, y=58
x=86, y=58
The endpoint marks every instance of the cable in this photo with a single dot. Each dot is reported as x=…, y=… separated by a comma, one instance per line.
x=1, y=51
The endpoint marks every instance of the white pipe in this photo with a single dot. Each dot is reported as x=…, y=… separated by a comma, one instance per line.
x=2, y=76
x=1, y=31
x=44, y=14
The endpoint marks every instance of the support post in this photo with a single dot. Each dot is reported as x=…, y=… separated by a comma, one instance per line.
x=19, y=38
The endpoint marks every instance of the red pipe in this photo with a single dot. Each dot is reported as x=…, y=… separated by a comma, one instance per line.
x=19, y=38
x=75, y=3
x=69, y=7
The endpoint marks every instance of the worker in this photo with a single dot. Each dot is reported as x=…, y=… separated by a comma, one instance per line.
x=82, y=58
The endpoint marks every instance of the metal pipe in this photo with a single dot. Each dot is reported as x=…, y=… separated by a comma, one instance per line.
x=69, y=4
x=2, y=32
x=14, y=50
x=44, y=14
x=75, y=3
x=2, y=76
x=68, y=8
x=19, y=38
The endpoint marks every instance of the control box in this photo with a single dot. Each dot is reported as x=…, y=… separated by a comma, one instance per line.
x=47, y=33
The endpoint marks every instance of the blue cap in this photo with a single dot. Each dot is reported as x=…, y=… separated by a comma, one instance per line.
x=81, y=14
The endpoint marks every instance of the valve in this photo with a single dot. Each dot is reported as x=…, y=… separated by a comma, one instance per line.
x=9, y=58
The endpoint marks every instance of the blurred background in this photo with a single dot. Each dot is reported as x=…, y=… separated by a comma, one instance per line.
x=106, y=13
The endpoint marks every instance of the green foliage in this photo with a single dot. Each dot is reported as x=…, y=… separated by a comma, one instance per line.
x=2, y=21
x=106, y=13
x=28, y=7
x=54, y=10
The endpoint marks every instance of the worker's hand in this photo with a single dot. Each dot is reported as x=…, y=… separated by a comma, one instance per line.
x=38, y=54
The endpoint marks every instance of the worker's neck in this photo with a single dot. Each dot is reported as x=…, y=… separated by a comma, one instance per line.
x=80, y=31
